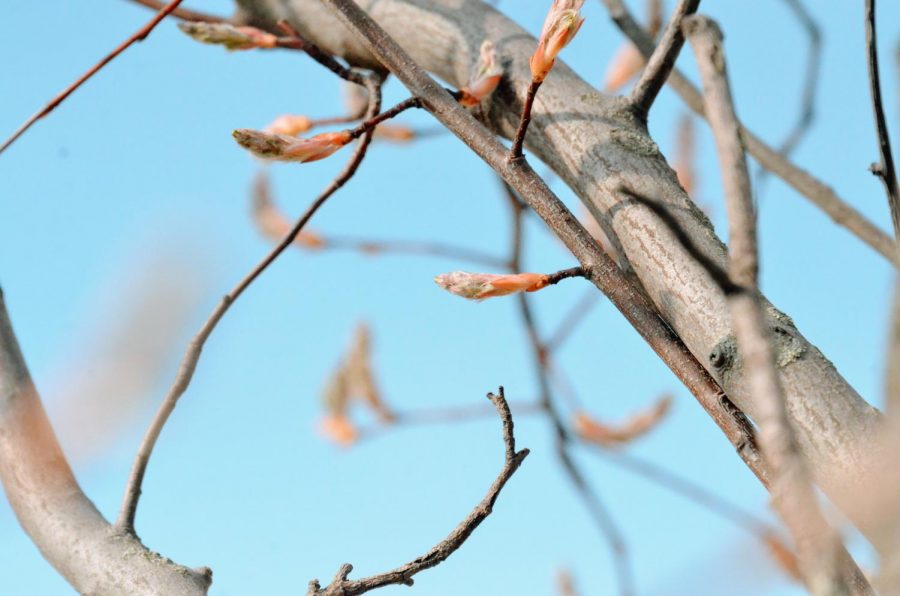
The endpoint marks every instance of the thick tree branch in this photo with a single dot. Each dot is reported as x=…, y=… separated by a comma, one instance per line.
x=63, y=523
x=885, y=169
x=138, y=35
x=342, y=586
x=817, y=543
x=662, y=61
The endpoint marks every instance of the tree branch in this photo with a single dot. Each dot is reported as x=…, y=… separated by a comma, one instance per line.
x=63, y=523
x=342, y=586
x=183, y=13
x=662, y=61
x=138, y=35
x=884, y=170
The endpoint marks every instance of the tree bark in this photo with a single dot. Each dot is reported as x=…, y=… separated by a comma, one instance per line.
x=69, y=531
x=598, y=145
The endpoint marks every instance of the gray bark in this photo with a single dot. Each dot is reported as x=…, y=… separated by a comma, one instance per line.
x=94, y=557
x=597, y=145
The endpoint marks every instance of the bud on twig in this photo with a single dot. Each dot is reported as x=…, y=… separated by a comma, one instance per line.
x=285, y=148
x=478, y=286
x=485, y=78
x=562, y=23
x=233, y=38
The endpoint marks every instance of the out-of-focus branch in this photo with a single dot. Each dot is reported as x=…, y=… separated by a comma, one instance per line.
x=596, y=508
x=802, y=181
x=662, y=61
x=138, y=35
x=273, y=224
x=184, y=14
x=885, y=169
x=63, y=523
x=188, y=364
x=342, y=586
x=818, y=545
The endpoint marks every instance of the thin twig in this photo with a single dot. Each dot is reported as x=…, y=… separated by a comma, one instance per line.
x=341, y=586
x=515, y=151
x=188, y=365
x=411, y=247
x=139, y=35
x=802, y=181
x=885, y=169
x=817, y=543
x=184, y=14
x=662, y=61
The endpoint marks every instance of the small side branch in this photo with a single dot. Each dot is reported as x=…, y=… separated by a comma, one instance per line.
x=662, y=61
x=183, y=13
x=519, y=140
x=885, y=169
x=139, y=35
x=342, y=586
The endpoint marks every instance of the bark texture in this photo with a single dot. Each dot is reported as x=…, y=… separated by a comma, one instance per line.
x=598, y=145
x=94, y=557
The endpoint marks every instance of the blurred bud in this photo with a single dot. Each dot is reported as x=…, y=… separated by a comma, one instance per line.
x=271, y=222
x=233, y=38
x=593, y=431
x=339, y=429
x=624, y=66
x=284, y=148
x=478, y=286
x=562, y=23
x=289, y=124
x=784, y=556
x=395, y=133
x=485, y=78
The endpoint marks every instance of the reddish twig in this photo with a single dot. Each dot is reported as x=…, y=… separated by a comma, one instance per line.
x=139, y=35
x=515, y=151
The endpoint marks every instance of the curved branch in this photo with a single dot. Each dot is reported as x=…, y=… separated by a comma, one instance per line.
x=341, y=586
x=69, y=531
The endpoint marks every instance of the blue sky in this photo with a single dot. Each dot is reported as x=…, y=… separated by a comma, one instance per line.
x=139, y=163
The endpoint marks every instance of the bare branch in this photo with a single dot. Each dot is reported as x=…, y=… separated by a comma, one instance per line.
x=188, y=364
x=342, y=586
x=793, y=496
x=515, y=151
x=63, y=523
x=138, y=35
x=662, y=61
x=885, y=169
x=802, y=181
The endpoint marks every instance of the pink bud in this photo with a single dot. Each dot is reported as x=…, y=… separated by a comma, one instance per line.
x=289, y=124
x=285, y=148
x=562, y=23
x=478, y=286
x=485, y=78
